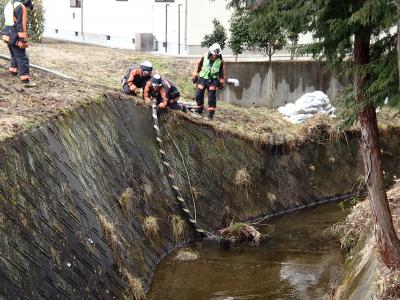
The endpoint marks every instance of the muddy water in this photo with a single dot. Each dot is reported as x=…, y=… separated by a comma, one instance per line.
x=299, y=261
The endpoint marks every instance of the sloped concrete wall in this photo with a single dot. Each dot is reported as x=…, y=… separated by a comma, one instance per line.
x=273, y=84
x=280, y=178
x=59, y=180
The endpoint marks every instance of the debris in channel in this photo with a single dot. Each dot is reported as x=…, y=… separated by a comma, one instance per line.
x=187, y=255
x=238, y=233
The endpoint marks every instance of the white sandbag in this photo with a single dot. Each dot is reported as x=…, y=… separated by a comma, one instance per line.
x=307, y=106
x=288, y=109
x=310, y=110
x=298, y=118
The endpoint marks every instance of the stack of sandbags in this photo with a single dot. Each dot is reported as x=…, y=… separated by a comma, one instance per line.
x=307, y=106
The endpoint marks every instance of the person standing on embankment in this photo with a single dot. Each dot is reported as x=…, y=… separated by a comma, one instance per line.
x=209, y=74
x=15, y=35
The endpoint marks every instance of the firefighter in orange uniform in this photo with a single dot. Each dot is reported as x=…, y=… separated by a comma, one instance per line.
x=15, y=34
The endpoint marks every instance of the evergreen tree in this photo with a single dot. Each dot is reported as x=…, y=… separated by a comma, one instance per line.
x=35, y=19
x=240, y=32
x=356, y=32
x=267, y=35
x=2, y=5
x=398, y=38
x=217, y=36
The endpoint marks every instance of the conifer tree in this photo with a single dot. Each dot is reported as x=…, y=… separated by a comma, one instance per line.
x=217, y=36
x=239, y=28
x=35, y=19
x=398, y=38
x=356, y=32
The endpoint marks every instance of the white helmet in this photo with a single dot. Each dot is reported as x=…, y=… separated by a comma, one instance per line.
x=215, y=49
x=156, y=80
x=147, y=67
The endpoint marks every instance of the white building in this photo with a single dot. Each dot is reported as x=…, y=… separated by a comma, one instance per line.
x=166, y=26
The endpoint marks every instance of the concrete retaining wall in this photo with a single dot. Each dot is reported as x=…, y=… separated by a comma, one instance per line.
x=273, y=84
x=58, y=182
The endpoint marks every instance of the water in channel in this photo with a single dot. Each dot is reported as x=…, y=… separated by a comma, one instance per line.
x=300, y=260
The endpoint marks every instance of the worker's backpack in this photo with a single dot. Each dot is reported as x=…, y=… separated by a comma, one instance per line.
x=124, y=79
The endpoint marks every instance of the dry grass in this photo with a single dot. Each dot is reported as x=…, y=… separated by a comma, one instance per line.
x=196, y=192
x=227, y=217
x=242, y=178
x=389, y=283
x=238, y=233
x=178, y=227
x=55, y=254
x=358, y=224
x=111, y=238
x=126, y=201
x=271, y=197
x=150, y=227
x=135, y=287
x=258, y=125
x=187, y=255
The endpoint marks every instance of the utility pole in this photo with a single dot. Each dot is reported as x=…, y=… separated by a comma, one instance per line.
x=179, y=28
x=166, y=28
x=83, y=37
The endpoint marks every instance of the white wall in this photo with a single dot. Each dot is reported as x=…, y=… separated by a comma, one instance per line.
x=200, y=16
x=175, y=13
x=59, y=15
x=121, y=20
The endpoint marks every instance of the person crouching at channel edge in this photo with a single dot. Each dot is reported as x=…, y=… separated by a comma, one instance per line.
x=137, y=77
x=15, y=35
x=164, y=91
x=209, y=74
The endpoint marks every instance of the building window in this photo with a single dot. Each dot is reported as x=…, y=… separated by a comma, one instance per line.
x=75, y=3
x=108, y=37
x=76, y=33
x=73, y=15
x=56, y=30
x=133, y=41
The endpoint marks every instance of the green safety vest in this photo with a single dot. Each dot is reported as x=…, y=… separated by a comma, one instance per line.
x=209, y=71
x=9, y=12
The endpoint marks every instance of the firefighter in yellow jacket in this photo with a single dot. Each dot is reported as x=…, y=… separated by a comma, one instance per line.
x=209, y=74
x=15, y=34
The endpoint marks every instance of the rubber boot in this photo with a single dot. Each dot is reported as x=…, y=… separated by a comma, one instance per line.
x=199, y=110
x=210, y=114
x=28, y=83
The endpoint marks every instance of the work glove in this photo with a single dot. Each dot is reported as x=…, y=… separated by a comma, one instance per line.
x=221, y=84
x=162, y=105
x=22, y=43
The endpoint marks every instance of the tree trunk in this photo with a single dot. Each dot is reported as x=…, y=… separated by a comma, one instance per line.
x=269, y=52
x=398, y=37
x=385, y=234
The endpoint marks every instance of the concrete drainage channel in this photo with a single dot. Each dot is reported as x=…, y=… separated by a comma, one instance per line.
x=76, y=194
